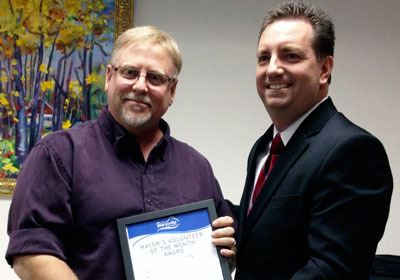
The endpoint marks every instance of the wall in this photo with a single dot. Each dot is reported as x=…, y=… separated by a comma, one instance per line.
x=217, y=109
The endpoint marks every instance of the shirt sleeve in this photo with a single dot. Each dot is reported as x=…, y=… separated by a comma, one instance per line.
x=221, y=205
x=40, y=213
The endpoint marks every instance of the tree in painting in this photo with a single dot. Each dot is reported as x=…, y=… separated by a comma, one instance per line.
x=52, y=61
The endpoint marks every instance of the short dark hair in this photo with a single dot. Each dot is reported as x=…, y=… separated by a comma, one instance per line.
x=324, y=30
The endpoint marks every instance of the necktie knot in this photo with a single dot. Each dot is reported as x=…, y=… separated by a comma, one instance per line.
x=277, y=145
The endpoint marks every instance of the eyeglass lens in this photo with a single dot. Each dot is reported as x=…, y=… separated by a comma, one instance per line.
x=132, y=73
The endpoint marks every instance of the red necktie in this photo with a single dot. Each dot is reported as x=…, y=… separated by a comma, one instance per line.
x=276, y=148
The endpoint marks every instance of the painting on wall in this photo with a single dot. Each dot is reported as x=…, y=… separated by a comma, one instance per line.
x=53, y=56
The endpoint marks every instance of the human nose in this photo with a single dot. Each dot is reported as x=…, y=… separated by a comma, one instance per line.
x=140, y=83
x=274, y=66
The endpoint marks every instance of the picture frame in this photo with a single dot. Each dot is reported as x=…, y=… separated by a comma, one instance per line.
x=28, y=112
x=174, y=243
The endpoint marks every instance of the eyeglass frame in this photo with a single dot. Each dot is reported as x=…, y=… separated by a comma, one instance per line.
x=165, y=77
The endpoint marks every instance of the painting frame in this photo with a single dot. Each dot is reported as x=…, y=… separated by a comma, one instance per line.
x=123, y=19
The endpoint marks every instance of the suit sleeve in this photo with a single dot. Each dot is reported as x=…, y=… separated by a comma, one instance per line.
x=349, y=210
x=234, y=208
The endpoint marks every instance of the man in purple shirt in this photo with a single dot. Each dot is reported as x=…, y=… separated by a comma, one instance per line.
x=75, y=183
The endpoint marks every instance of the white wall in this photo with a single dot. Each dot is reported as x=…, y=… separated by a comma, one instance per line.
x=217, y=109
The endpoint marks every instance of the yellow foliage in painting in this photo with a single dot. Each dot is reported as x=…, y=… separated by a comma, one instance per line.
x=4, y=8
x=43, y=68
x=75, y=89
x=66, y=124
x=9, y=167
x=3, y=100
x=47, y=85
x=3, y=79
x=28, y=42
x=35, y=20
x=73, y=6
x=70, y=36
x=92, y=78
x=7, y=20
x=9, y=52
x=29, y=21
x=19, y=42
x=46, y=20
x=48, y=41
x=21, y=4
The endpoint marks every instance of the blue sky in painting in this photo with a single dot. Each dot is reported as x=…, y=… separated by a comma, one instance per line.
x=109, y=10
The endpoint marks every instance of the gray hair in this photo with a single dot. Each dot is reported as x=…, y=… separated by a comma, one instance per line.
x=149, y=34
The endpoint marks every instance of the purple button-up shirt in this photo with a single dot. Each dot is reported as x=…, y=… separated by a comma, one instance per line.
x=75, y=183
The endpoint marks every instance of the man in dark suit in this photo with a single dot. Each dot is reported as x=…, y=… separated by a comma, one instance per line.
x=323, y=206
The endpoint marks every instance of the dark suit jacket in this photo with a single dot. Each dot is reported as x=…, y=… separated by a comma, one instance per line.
x=323, y=208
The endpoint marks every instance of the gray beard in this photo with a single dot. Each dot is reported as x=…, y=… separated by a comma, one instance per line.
x=132, y=120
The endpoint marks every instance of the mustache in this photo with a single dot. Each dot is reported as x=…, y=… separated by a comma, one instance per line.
x=137, y=97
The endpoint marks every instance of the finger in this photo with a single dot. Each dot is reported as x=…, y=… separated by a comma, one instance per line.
x=228, y=253
x=224, y=242
x=223, y=232
x=224, y=221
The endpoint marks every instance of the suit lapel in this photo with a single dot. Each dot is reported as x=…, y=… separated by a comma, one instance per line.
x=294, y=149
x=257, y=149
x=288, y=157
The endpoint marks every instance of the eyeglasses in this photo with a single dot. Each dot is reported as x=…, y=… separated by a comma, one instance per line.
x=133, y=74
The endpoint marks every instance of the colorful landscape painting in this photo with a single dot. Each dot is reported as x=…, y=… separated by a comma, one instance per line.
x=53, y=55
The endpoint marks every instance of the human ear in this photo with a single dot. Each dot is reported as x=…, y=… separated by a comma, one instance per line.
x=173, y=91
x=108, y=77
x=326, y=69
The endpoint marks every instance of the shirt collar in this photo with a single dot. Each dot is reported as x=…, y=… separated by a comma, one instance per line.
x=124, y=142
x=288, y=132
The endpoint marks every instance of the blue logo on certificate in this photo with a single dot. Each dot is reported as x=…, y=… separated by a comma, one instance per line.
x=171, y=223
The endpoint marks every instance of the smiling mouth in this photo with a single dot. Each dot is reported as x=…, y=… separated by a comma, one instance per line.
x=277, y=86
x=136, y=101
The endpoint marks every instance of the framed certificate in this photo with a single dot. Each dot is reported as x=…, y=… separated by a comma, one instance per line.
x=174, y=244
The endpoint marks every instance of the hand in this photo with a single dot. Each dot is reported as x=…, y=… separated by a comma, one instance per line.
x=223, y=236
